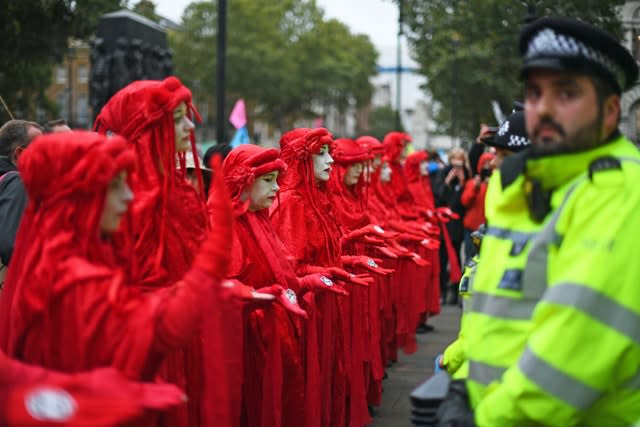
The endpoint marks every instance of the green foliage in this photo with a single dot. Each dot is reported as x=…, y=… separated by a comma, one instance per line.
x=146, y=8
x=34, y=37
x=283, y=57
x=382, y=120
x=467, y=49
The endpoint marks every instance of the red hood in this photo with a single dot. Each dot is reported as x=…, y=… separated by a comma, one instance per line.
x=243, y=165
x=66, y=176
x=412, y=165
x=394, y=144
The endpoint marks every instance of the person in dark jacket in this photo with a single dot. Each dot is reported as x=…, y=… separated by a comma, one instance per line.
x=15, y=136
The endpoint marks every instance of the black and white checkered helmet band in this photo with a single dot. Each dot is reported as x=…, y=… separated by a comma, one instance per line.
x=550, y=43
x=518, y=141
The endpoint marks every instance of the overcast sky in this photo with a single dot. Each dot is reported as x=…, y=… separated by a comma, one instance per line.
x=376, y=18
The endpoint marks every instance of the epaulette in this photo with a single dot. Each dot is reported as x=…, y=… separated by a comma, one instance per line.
x=512, y=167
x=604, y=163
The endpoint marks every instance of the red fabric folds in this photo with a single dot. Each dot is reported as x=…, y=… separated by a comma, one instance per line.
x=303, y=217
x=274, y=392
x=169, y=217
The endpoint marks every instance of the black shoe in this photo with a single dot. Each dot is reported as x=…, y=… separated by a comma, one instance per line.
x=422, y=329
x=385, y=375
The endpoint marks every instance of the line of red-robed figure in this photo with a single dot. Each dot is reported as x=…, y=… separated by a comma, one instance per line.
x=278, y=299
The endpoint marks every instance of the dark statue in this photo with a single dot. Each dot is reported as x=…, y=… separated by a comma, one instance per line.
x=127, y=47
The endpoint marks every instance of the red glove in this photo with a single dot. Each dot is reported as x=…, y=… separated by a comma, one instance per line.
x=419, y=260
x=446, y=213
x=237, y=290
x=320, y=283
x=371, y=229
x=286, y=298
x=387, y=252
x=100, y=398
x=370, y=264
x=430, y=244
x=361, y=280
x=407, y=237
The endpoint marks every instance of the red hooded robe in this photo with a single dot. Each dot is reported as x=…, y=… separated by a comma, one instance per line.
x=303, y=217
x=168, y=223
x=67, y=303
x=273, y=372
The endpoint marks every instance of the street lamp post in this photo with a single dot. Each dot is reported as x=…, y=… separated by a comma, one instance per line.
x=399, y=66
x=220, y=72
x=455, y=40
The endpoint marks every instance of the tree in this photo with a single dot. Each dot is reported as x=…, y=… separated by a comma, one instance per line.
x=382, y=120
x=467, y=49
x=283, y=57
x=34, y=37
x=146, y=8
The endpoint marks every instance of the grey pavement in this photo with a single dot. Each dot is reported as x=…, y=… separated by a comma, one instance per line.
x=411, y=371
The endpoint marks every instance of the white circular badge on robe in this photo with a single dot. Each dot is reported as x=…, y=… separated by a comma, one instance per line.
x=326, y=281
x=372, y=263
x=291, y=296
x=378, y=229
x=50, y=404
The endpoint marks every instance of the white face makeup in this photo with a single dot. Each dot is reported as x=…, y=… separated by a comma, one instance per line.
x=322, y=164
x=385, y=173
x=263, y=191
x=424, y=168
x=353, y=174
x=183, y=127
x=116, y=203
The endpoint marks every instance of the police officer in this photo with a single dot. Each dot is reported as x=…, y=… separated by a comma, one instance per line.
x=556, y=305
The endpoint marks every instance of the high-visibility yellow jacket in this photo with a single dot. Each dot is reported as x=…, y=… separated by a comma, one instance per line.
x=556, y=304
x=453, y=358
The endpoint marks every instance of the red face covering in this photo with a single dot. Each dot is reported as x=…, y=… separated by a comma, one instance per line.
x=303, y=214
x=59, y=250
x=259, y=258
x=349, y=202
x=419, y=186
x=169, y=217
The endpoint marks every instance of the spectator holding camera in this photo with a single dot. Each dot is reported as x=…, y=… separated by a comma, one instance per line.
x=472, y=199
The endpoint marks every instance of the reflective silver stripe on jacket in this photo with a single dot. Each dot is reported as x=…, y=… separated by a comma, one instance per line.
x=518, y=238
x=534, y=277
x=556, y=383
x=484, y=373
x=502, y=307
x=608, y=311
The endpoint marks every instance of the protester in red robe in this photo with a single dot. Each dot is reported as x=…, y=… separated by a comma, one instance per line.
x=349, y=191
x=274, y=379
x=168, y=223
x=304, y=218
x=68, y=302
x=31, y=396
x=415, y=168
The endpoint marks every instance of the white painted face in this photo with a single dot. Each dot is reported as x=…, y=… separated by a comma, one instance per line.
x=322, y=164
x=116, y=203
x=263, y=191
x=353, y=174
x=183, y=127
x=424, y=168
x=385, y=173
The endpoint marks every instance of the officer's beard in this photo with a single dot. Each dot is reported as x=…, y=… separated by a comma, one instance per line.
x=585, y=138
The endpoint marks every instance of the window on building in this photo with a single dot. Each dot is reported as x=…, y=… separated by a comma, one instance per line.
x=82, y=109
x=83, y=74
x=61, y=74
x=63, y=105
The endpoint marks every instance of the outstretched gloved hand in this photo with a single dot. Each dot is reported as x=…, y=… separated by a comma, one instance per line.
x=286, y=298
x=320, y=283
x=369, y=263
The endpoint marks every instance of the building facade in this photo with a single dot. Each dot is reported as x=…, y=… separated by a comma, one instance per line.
x=630, y=123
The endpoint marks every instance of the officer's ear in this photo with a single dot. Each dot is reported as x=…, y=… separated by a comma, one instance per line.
x=16, y=154
x=610, y=114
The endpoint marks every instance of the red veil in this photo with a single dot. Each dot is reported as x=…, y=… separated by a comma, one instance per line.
x=303, y=217
x=273, y=375
x=419, y=185
x=169, y=217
